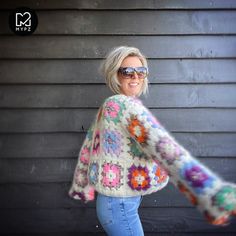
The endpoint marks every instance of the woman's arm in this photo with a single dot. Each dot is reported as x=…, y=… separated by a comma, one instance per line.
x=213, y=196
x=80, y=188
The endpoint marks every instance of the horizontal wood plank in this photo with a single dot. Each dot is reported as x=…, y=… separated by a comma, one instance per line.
x=212, y=233
x=76, y=220
x=104, y=234
x=72, y=96
x=122, y=4
x=61, y=47
x=77, y=120
x=67, y=145
x=47, y=103
x=86, y=71
x=125, y=23
x=61, y=170
x=55, y=195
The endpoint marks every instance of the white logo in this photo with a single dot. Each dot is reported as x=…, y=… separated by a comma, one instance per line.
x=23, y=21
x=20, y=19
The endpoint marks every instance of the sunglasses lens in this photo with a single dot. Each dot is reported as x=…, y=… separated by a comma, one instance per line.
x=128, y=72
x=141, y=71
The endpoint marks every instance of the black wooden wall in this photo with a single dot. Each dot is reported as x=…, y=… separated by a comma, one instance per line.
x=50, y=91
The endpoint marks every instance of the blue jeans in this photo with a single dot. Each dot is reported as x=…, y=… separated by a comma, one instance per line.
x=119, y=215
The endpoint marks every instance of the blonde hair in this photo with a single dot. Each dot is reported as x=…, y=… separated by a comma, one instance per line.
x=111, y=64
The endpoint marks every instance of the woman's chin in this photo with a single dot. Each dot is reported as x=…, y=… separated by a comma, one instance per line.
x=133, y=92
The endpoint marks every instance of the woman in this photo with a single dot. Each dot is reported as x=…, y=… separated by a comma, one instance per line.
x=127, y=153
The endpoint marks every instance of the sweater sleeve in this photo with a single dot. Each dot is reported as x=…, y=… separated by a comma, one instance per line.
x=80, y=188
x=213, y=196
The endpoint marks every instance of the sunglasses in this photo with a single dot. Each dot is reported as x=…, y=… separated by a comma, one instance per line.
x=128, y=72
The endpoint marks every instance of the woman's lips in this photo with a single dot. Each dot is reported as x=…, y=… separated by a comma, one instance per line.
x=133, y=84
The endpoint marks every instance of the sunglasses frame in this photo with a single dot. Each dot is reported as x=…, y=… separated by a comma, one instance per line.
x=133, y=69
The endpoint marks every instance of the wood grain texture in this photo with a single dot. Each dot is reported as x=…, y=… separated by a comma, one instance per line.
x=73, y=96
x=61, y=47
x=55, y=195
x=104, y=234
x=76, y=220
x=67, y=145
x=122, y=4
x=210, y=71
x=61, y=170
x=120, y=23
x=47, y=86
x=79, y=119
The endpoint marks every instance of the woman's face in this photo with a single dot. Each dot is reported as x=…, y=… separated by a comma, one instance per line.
x=131, y=86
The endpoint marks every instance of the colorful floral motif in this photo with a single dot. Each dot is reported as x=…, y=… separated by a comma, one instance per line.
x=137, y=130
x=187, y=193
x=111, y=175
x=134, y=150
x=222, y=220
x=84, y=155
x=81, y=177
x=135, y=100
x=113, y=110
x=151, y=119
x=112, y=142
x=87, y=194
x=78, y=195
x=169, y=150
x=159, y=173
x=93, y=173
x=210, y=193
x=225, y=199
x=196, y=176
x=96, y=143
x=138, y=178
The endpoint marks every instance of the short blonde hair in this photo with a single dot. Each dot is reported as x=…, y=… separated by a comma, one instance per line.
x=109, y=67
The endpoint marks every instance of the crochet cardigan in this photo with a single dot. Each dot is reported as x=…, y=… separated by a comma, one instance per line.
x=127, y=152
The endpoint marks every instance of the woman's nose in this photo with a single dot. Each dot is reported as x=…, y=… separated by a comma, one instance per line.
x=135, y=75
